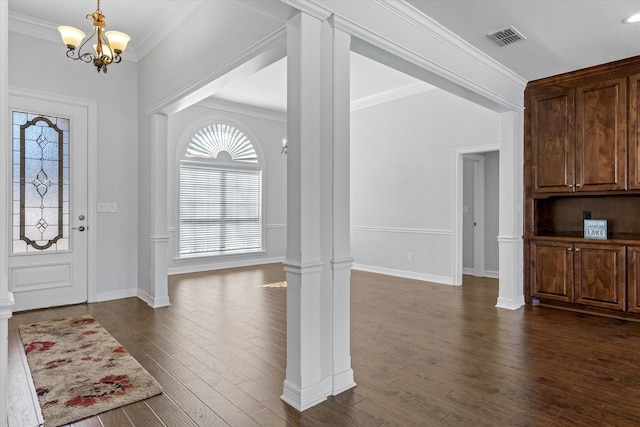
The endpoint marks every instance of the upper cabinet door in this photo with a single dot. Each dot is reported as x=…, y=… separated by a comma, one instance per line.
x=634, y=128
x=552, y=141
x=601, y=136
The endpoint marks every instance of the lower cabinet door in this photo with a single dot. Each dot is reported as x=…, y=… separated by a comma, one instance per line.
x=600, y=275
x=633, y=279
x=552, y=270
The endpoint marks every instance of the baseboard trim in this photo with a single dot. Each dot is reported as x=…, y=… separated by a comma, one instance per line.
x=144, y=296
x=492, y=274
x=119, y=294
x=403, y=273
x=487, y=273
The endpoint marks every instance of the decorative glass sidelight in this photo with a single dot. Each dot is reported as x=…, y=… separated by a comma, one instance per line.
x=40, y=183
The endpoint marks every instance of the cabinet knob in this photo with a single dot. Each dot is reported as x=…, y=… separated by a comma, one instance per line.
x=577, y=249
x=578, y=185
x=569, y=249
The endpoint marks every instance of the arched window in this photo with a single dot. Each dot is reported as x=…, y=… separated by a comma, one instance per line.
x=220, y=200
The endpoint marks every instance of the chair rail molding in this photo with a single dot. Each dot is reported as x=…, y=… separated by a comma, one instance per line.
x=401, y=230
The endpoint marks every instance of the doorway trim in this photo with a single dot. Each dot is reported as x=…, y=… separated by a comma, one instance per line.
x=459, y=155
x=92, y=173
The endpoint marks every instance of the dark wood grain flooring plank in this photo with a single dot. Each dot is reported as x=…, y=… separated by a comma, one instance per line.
x=141, y=415
x=115, y=418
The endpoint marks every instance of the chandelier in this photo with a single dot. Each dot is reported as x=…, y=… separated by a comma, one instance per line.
x=108, y=45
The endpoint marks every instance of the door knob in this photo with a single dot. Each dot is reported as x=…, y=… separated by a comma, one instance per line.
x=81, y=228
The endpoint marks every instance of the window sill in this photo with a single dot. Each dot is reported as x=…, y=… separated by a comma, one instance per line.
x=212, y=256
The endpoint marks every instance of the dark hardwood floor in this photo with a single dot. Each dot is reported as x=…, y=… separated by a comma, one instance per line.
x=423, y=355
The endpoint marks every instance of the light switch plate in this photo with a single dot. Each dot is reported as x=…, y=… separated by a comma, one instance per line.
x=109, y=207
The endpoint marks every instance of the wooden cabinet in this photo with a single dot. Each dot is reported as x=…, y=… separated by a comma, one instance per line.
x=601, y=136
x=582, y=159
x=552, y=270
x=589, y=274
x=600, y=275
x=633, y=278
x=579, y=137
x=552, y=141
x=634, y=132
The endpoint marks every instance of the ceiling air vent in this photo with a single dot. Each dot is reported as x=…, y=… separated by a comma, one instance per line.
x=506, y=36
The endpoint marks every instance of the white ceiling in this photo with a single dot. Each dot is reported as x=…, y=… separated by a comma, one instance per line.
x=561, y=35
x=370, y=82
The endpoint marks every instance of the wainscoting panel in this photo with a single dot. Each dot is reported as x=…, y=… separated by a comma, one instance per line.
x=40, y=277
x=424, y=254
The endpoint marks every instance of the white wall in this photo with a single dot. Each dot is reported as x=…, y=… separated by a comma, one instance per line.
x=402, y=163
x=266, y=131
x=39, y=65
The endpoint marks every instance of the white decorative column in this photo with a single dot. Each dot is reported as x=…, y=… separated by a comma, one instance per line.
x=318, y=261
x=6, y=298
x=304, y=385
x=510, y=292
x=159, y=238
x=339, y=114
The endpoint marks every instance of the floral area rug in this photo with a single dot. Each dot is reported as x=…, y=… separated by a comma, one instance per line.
x=80, y=370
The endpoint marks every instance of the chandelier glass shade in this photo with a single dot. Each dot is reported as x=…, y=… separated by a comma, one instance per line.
x=107, y=45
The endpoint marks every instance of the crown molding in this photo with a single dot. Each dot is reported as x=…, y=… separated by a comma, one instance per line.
x=425, y=63
x=29, y=26
x=248, y=110
x=391, y=95
x=417, y=19
x=445, y=36
x=45, y=30
x=310, y=7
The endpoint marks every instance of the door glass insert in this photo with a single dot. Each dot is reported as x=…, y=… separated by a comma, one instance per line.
x=40, y=220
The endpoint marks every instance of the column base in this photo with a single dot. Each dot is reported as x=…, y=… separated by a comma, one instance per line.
x=510, y=304
x=152, y=301
x=343, y=382
x=305, y=398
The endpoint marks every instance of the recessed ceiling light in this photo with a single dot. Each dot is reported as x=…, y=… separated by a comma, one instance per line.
x=632, y=19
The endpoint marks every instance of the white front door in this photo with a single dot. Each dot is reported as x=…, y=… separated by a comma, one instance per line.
x=48, y=249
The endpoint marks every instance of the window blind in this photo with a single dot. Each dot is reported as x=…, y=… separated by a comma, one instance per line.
x=220, y=210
